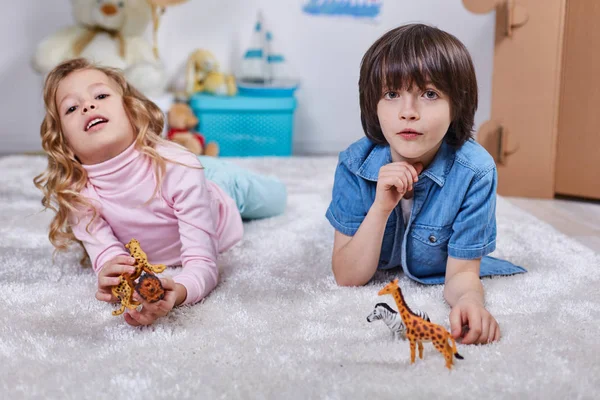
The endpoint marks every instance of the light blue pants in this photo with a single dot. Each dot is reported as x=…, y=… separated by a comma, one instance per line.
x=257, y=196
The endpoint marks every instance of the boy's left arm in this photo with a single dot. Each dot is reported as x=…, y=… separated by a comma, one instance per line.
x=464, y=292
x=474, y=236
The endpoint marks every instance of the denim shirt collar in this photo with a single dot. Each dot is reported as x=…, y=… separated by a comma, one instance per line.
x=380, y=155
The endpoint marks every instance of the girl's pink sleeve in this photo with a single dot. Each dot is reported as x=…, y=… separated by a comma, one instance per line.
x=100, y=242
x=186, y=189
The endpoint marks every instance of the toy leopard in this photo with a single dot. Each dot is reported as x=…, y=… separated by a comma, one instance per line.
x=124, y=290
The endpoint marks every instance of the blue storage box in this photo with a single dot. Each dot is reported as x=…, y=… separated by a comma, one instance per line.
x=246, y=125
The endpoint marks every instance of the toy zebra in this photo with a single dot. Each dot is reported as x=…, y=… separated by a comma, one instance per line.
x=392, y=319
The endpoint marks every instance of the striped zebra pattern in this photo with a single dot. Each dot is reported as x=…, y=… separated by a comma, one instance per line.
x=392, y=319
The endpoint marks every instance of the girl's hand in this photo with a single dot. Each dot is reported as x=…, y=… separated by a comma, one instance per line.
x=152, y=311
x=483, y=327
x=109, y=276
x=395, y=179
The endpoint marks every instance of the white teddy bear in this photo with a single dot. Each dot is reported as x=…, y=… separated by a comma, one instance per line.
x=111, y=33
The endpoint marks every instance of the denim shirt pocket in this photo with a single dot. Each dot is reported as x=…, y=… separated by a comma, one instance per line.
x=387, y=245
x=427, y=249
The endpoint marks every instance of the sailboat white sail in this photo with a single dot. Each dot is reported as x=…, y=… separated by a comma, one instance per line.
x=276, y=62
x=264, y=67
x=253, y=63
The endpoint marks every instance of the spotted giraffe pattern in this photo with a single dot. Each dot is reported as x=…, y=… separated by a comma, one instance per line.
x=418, y=330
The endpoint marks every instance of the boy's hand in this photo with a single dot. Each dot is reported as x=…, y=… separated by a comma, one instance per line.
x=395, y=179
x=483, y=327
x=152, y=311
x=109, y=276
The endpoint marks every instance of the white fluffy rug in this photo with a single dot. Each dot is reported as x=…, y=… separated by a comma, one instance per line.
x=277, y=326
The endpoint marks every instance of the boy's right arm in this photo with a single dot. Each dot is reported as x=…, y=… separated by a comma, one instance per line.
x=355, y=258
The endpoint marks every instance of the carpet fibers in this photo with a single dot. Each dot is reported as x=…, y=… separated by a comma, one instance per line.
x=277, y=326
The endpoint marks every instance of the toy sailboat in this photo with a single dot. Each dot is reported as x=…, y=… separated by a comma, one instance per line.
x=264, y=70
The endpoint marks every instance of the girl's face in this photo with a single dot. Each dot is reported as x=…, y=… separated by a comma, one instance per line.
x=92, y=116
x=414, y=122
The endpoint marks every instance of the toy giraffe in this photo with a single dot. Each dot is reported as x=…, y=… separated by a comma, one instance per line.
x=418, y=330
x=124, y=290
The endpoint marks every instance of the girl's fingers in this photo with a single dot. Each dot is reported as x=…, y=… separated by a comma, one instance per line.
x=168, y=283
x=127, y=260
x=130, y=320
x=105, y=282
x=142, y=318
x=117, y=269
x=154, y=310
x=170, y=298
x=124, y=260
x=104, y=296
x=163, y=307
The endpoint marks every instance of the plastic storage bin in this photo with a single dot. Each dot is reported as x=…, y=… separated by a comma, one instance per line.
x=246, y=125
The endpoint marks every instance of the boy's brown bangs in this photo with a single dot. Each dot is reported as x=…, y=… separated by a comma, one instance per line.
x=411, y=63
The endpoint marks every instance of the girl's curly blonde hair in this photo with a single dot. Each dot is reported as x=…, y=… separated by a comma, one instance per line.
x=65, y=177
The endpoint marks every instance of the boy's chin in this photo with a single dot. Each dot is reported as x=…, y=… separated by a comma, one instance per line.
x=411, y=154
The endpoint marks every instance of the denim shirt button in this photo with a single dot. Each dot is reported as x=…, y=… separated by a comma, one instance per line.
x=432, y=239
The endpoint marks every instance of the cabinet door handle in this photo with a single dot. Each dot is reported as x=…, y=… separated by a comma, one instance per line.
x=501, y=152
x=515, y=16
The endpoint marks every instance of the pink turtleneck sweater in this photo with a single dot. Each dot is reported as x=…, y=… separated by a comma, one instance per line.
x=189, y=222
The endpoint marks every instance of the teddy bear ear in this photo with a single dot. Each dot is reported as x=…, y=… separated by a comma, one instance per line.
x=139, y=16
x=82, y=11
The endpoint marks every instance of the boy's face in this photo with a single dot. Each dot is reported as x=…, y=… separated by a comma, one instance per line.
x=414, y=122
x=92, y=116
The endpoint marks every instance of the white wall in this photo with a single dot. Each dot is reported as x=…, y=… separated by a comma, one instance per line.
x=324, y=51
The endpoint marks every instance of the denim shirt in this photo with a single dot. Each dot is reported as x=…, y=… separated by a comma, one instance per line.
x=453, y=211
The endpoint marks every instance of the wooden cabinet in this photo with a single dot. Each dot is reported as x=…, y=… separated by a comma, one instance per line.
x=578, y=145
x=544, y=130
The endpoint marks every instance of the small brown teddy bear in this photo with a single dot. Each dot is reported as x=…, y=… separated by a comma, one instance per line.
x=182, y=121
